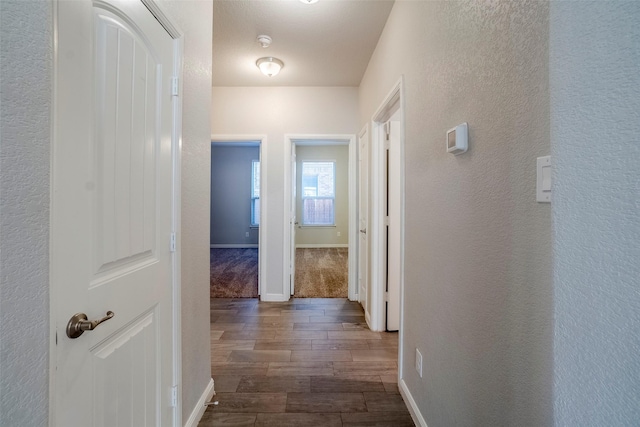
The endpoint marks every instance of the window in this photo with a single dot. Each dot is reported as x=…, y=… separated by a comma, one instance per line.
x=318, y=193
x=255, y=193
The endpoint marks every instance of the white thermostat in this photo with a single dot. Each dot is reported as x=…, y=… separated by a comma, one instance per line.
x=458, y=139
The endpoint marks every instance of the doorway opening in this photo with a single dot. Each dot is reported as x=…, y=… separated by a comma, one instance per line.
x=237, y=194
x=387, y=215
x=321, y=228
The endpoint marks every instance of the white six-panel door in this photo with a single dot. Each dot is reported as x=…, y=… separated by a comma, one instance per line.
x=112, y=216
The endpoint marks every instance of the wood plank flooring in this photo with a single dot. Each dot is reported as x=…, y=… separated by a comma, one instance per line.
x=306, y=362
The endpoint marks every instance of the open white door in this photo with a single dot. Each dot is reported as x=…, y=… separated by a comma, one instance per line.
x=363, y=220
x=394, y=206
x=293, y=222
x=112, y=217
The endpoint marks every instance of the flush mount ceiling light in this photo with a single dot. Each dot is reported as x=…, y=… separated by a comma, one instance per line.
x=309, y=1
x=269, y=66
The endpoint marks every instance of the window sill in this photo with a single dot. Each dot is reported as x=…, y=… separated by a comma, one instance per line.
x=317, y=226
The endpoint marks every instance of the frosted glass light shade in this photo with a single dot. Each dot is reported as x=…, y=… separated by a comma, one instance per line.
x=269, y=66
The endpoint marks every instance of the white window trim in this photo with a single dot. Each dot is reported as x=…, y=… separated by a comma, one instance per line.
x=252, y=213
x=303, y=197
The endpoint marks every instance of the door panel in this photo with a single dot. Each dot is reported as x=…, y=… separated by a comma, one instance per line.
x=125, y=132
x=119, y=371
x=112, y=215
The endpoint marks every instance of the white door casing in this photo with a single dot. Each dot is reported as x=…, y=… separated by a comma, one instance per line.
x=113, y=216
x=363, y=221
x=289, y=203
x=239, y=140
x=391, y=110
x=293, y=222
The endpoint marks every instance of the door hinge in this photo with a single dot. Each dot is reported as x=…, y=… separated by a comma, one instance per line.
x=174, y=86
x=174, y=396
x=387, y=130
x=172, y=243
x=386, y=220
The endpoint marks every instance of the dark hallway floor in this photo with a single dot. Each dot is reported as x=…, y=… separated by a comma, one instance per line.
x=306, y=362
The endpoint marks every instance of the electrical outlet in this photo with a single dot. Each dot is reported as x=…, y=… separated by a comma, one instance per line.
x=338, y=234
x=246, y=234
x=419, y=362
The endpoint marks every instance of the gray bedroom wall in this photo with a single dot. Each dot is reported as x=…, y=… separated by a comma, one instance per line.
x=595, y=135
x=325, y=236
x=231, y=195
x=478, y=299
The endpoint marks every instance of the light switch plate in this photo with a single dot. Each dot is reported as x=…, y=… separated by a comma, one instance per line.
x=543, y=179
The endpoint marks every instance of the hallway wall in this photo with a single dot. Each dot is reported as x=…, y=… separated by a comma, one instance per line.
x=26, y=72
x=478, y=282
x=595, y=128
x=276, y=111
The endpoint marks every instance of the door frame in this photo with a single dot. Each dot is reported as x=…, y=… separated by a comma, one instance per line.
x=363, y=297
x=176, y=153
x=394, y=101
x=311, y=139
x=238, y=139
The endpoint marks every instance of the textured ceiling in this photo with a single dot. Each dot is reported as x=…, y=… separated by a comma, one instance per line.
x=328, y=43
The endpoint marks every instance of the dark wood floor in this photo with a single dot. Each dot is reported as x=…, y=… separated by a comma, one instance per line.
x=306, y=362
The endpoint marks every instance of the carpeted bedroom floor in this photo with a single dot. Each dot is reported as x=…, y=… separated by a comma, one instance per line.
x=320, y=273
x=234, y=273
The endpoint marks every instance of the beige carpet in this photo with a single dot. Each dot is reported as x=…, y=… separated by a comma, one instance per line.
x=321, y=273
x=234, y=273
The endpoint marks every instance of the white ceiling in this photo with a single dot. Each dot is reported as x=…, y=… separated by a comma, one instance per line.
x=328, y=43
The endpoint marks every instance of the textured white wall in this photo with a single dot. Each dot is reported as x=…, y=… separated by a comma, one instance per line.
x=595, y=135
x=26, y=65
x=275, y=112
x=478, y=282
x=195, y=18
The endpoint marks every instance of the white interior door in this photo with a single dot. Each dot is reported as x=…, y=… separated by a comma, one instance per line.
x=293, y=222
x=394, y=202
x=363, y=219
x=112, y=216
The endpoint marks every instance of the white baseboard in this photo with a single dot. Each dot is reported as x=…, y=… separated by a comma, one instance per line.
x=233, y=246
x=367, y=318
x=323, y=245
x=198, y=411
x=274, y=298
x=411, y=404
